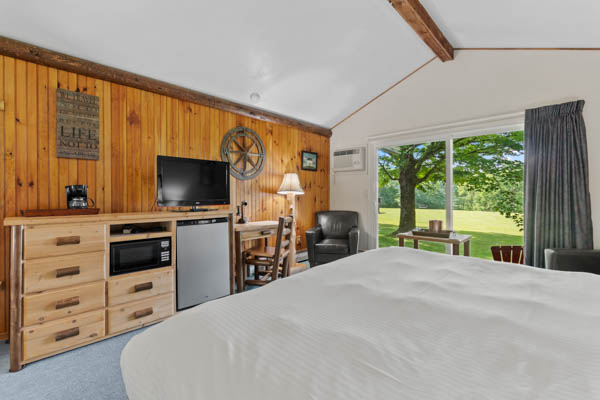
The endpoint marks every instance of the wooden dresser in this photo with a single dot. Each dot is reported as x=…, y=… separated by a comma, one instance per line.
x=61, y=293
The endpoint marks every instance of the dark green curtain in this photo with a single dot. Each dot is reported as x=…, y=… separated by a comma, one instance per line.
x=557, y=196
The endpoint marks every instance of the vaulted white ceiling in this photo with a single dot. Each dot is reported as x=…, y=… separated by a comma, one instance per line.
x=518, y=23
x=314, y=60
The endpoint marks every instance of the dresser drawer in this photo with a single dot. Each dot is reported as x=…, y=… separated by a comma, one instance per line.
x=58, y=335
x=140, y=286
x=61, y=303
x=57, y=272
x=139, y=313
x=57, y=240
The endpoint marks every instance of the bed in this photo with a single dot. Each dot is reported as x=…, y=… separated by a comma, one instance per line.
x=392, y=323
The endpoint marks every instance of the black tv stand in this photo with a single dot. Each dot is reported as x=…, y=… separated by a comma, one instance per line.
x=197, y=209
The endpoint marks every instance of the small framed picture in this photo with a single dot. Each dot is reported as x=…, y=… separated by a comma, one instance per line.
x=309, y=161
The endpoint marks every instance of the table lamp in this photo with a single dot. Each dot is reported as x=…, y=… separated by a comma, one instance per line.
x=291, y=187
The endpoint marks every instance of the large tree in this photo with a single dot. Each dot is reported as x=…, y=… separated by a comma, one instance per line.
x=481, y=163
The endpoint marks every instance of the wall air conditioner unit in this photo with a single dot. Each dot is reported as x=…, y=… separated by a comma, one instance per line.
x=349, y=159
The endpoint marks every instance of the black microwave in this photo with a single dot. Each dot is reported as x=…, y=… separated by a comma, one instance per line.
x=139, y=255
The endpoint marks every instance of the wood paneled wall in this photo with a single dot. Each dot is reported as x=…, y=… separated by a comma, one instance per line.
x=135, y=127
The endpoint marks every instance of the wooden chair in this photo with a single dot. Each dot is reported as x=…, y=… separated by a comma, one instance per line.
x=510, y=254
x=270, y=263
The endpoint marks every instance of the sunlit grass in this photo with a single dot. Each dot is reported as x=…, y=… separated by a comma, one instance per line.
x=487, y=228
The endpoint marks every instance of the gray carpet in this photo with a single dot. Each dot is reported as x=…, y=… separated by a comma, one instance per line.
x=90, y=372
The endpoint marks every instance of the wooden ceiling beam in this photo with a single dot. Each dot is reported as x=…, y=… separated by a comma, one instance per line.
x=419, y=19
x=28, y=52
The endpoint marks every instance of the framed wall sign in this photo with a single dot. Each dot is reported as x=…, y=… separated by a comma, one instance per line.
x=77, y=125
x=309, y=160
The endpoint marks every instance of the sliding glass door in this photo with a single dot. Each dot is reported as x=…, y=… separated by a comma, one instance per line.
x=474, y=184
x=412, y=181
x=488, y=190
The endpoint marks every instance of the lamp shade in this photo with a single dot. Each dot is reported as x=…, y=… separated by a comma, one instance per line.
x=290, y=185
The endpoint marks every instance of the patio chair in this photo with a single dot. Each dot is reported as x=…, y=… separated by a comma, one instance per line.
x=509, y=254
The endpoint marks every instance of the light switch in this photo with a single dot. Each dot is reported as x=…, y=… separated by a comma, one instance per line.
x=1, y=105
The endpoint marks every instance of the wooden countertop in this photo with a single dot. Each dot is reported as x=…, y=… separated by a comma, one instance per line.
x=117, y=217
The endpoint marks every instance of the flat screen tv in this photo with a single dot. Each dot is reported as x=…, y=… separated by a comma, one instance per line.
x=191, y=182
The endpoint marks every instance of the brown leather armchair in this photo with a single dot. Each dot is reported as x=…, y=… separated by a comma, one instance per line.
x=335, y=236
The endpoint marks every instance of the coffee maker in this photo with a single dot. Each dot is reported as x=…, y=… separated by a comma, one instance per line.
x=77, y=196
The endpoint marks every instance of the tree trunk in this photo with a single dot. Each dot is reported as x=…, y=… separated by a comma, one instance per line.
x=407, y=205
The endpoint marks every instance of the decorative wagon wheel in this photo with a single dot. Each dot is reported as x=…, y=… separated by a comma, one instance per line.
x=245, y=152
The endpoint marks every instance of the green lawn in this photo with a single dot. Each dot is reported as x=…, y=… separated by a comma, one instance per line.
x=487, y=228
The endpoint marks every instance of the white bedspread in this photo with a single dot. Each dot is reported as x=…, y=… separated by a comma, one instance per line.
x=393, y=323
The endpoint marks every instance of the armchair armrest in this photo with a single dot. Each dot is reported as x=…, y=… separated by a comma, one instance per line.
x=353, y=237
x=313, y=236
x=573, y=260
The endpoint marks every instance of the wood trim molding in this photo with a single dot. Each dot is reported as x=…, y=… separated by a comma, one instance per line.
x=528, y=48
x=419, y=19
x=385, y=91
x=28, y=52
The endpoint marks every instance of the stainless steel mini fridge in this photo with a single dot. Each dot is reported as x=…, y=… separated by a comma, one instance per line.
x=202, y=261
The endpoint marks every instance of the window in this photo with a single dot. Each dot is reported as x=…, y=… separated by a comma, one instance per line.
x=486, y=197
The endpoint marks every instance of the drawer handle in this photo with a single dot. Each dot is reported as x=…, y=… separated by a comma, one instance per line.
x=62, y=272
x=143, y=313
x=62, y=335
x=66, y=240
x=70, y=302
x=143, y=286
x=266, y=232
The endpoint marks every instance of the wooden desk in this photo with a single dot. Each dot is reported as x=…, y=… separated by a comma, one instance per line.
x=455, y=240
x=250, y=231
